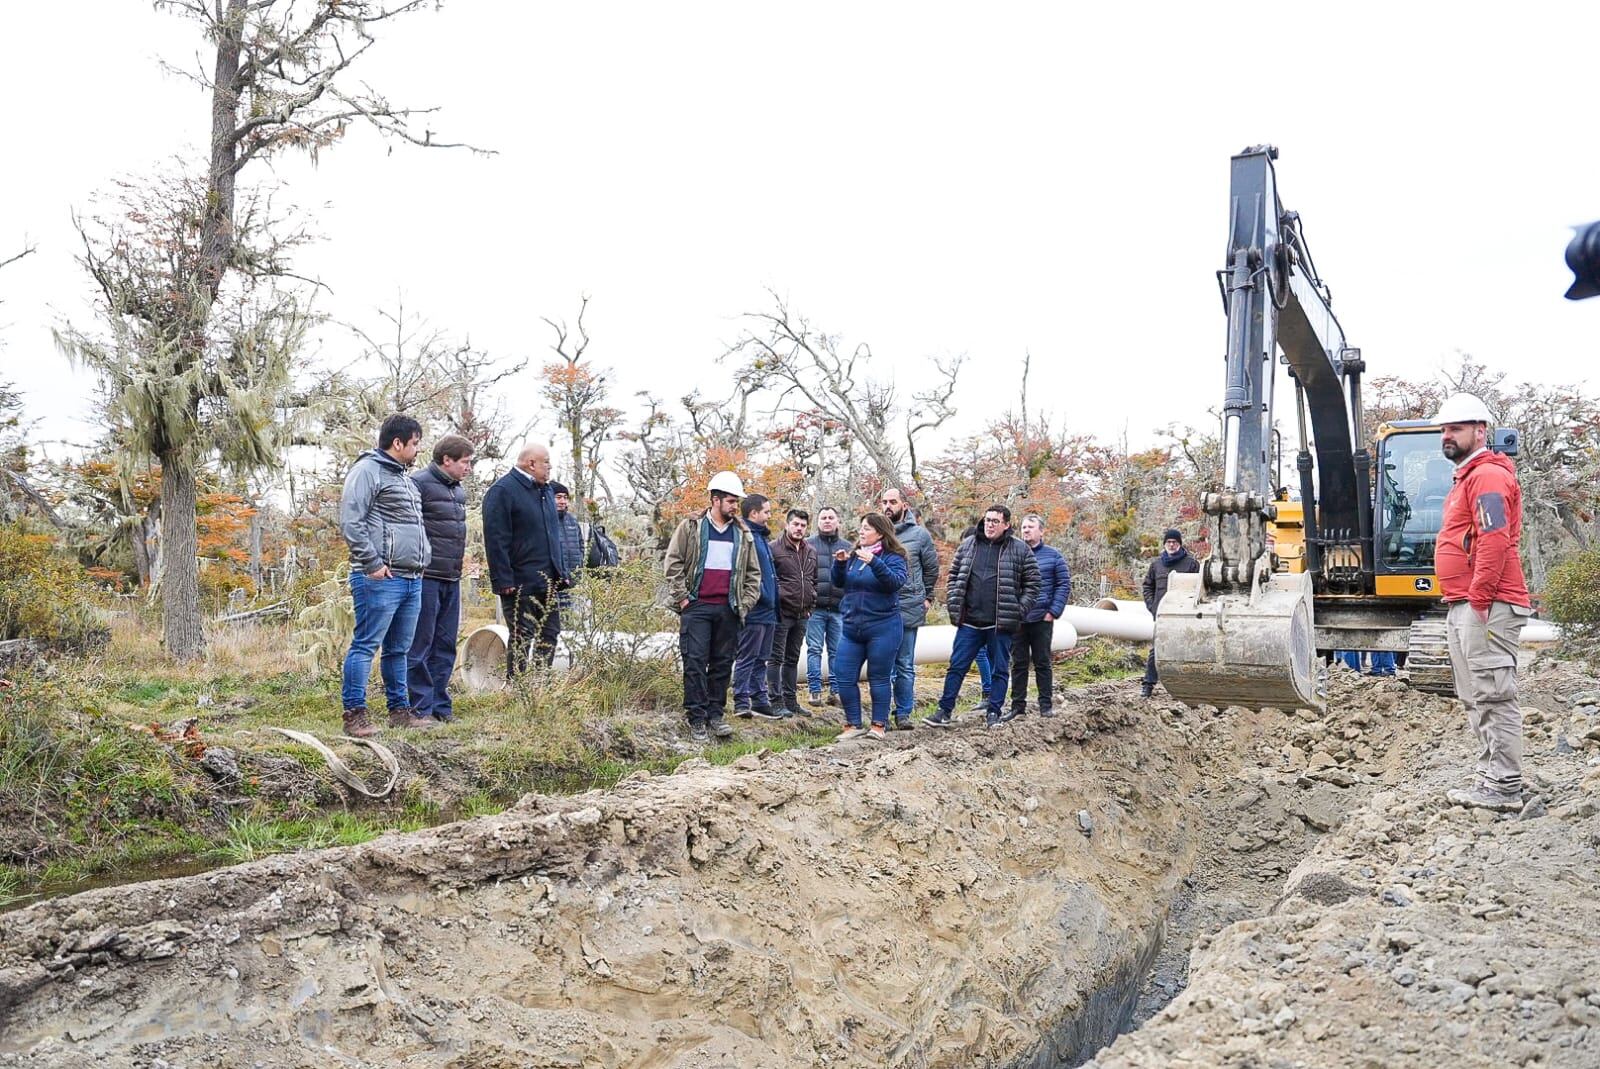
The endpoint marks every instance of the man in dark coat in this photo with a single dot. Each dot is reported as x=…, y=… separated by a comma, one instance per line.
x=522, y=540
x=1174, y=558
x=825, y=629
x=994, y=580
x=444, y=518
x=572, y=547
x=795, y=562
x=750, y=697
x=916, y=597
x=1038, y=628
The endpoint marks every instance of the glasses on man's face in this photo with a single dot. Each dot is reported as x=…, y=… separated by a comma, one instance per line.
x=996, y=520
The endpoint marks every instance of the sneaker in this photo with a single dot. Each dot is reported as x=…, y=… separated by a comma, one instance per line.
x=721, y=728
x=1012, y=714
x=792, y=707
x=833, y=699
x=765, y=712
x=941, y=719
x=816, y=700
x=877, y=731
x=698, y=733
x=408, y=718
x=445, y=718
x=356, y=723
x=1046, y=712
x=992, y=719
x=1484, y=798
x=1145, y=690
x=903, y=723
x=742, y=712
x=850, y=732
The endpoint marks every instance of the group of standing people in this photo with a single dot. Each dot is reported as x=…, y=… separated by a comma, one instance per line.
x=746, y=599
x=407, y=537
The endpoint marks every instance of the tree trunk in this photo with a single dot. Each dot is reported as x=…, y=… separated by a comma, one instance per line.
x=580, y=495
x=180, y=587
x=139, y=538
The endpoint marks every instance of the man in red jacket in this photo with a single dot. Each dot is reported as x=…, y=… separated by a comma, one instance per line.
x=1480, y=576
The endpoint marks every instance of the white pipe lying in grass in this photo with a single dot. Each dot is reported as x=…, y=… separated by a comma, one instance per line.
x=483, y=659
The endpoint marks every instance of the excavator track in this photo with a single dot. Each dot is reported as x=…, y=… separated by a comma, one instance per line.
x=1428, y=657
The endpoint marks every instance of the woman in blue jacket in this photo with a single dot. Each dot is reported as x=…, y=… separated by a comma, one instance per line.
x=871, y=578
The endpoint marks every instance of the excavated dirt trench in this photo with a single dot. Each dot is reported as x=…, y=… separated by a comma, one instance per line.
x=972, y=898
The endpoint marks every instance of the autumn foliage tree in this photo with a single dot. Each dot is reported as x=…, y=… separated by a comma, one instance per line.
x=578, y=394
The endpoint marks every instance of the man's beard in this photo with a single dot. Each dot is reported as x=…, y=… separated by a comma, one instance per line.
x=1451, y=450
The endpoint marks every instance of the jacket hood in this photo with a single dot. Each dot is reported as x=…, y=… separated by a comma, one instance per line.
x=1488, y=456
x=385, y=459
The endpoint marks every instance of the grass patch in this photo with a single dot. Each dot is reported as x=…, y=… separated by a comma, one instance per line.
x=1094, y=660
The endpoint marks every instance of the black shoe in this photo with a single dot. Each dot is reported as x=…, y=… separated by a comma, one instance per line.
x=792, y=708
x=1046, y=711
x=697, y=733
x=1146, y=691
x=765, y=712
x=992, y=719
x=903, y=723
x=941, y=719
x=742, y=712
x=1014, y=713
x=721, y=728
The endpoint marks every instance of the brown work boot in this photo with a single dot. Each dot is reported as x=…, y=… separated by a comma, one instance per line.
x=356, y=723
x=408, y=718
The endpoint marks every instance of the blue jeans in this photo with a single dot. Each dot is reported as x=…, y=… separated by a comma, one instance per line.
x=750, y=665
x=969, y=640
x=386, y=613
x=433, y=648
x=985, y=670
x=905, y=674
x=1382, y=663
x=877, y=646
x=824, y=626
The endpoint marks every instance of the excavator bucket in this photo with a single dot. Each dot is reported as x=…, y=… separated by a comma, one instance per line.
x=1252, y=650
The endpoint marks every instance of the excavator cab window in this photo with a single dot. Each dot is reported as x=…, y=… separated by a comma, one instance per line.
x=1414, y=479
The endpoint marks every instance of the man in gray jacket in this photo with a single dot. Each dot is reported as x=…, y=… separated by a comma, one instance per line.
x=916, y=597
x=380, y=516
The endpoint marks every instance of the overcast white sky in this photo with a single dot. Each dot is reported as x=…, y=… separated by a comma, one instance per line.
x=931, y=178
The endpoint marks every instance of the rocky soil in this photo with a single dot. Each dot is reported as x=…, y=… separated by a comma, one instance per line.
x=1418, y=933
x=971, y=898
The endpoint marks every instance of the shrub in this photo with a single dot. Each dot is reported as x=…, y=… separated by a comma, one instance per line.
x=45, y=595
x=1572, y=597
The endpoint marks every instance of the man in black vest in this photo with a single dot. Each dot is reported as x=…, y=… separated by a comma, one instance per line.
x=523, y=544
x=444, y=517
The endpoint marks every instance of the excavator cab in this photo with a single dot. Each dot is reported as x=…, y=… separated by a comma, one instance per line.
x=1413, y=480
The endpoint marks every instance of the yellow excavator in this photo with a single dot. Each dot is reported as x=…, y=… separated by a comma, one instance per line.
x=1342, y=568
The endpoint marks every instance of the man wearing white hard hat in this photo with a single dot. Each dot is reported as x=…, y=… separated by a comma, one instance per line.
x=713, y=579
x=1480, y=576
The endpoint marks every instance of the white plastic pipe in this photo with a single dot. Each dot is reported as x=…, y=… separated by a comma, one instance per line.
x=483, y=658
x=1123, y=623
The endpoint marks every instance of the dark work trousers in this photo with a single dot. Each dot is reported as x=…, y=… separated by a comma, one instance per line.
x=750, y=666
x=1032, y=649
x=433, y=648
x=708, y=638
x=534, y=619
x=1150, y=670
x=783, y=671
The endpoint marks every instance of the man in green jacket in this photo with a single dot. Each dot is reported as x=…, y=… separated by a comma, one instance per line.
x=713, y=579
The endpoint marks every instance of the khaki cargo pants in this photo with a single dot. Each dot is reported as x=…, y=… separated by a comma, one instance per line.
x=1483, y=658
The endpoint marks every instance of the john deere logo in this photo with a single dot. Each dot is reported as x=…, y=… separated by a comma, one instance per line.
x=1424, y=584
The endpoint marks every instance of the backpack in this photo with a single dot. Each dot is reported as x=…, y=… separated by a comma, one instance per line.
x=602, y=552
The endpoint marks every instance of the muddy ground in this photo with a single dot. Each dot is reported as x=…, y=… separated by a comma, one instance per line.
x=972, y=898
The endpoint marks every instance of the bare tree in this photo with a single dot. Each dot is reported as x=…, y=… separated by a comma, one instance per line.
x=576, y=391
x=810, y=370
x=654, y=465
x=279, y=80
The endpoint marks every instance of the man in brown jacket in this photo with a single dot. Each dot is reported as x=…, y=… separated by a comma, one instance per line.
x=713, y=579
x=795, y=561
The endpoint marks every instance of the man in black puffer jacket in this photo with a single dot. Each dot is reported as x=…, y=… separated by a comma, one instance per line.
x=825, y=626
x=1174, y=558
x=994, y=581
x=444, y=517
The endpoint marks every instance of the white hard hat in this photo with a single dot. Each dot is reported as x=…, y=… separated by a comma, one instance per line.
x=1463, y=408
x=726, y=482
